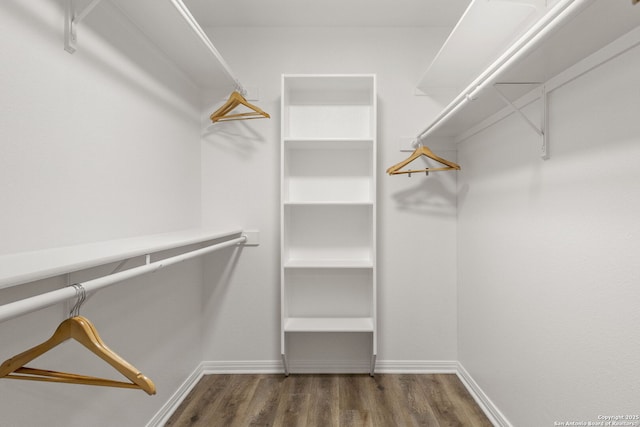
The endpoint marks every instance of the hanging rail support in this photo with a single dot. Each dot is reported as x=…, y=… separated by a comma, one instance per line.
x=71, y=20
x=541, y=130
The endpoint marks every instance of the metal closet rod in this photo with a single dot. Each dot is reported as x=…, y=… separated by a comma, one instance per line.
x=202, y=36
x=554, y=19
x=47, y=299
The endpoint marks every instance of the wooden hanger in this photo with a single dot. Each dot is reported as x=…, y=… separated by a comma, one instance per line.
x=236, y=99
x=81, y=330
x=422, y=151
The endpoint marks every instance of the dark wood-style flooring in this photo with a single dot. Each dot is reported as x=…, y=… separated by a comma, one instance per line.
x=385, y=400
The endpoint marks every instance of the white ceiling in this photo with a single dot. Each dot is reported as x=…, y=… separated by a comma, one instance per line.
x=327, y=13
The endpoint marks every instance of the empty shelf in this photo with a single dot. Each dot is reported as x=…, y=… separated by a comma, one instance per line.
x=328, y=324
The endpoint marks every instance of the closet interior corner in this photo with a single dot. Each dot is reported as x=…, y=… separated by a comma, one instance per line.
x=286, y=271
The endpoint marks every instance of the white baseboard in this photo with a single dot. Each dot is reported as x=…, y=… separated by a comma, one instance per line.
x=329, y=367
x=416, y=367
x=163, y=415
x=382, y=367
x=492, y=412
x=242, y=367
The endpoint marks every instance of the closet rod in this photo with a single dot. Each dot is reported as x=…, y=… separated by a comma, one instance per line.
x=202, y=36
x=47, y=299
x=554, y=19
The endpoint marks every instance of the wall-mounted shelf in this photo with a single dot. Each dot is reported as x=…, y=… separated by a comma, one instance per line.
x=569, y=32
x=488, y=26
x=323, y=324
x=172, y=28
x=25, y=267
x=328, y=263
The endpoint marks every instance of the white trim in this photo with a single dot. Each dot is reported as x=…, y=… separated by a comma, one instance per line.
x=242, y=367
x=165, y=412
x=492, y=412
x=323, y=366
x=416, y=367
x=329, y=367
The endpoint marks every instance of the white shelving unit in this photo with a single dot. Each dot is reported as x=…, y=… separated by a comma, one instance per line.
x=328, y=241
x=569, y=39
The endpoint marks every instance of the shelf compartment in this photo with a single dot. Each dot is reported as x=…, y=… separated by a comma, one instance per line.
x=326, y=233
x=328, y=293
x=322, y=324
x=328, y=170
x=339, y=106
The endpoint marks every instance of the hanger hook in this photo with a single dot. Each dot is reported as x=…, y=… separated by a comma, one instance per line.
x=239, y=88
x=81, y=296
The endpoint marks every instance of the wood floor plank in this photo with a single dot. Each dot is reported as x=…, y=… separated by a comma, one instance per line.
x=261, y=410
x=329, y=401
x=199, y=401
x=418, y=409
x=466, y=407
x=389, y=402
x=229, y=408
x=354, y=418
x=449, y=403
x=294, y=403
x=440, y=401
x=353, y=409
x=323, y=407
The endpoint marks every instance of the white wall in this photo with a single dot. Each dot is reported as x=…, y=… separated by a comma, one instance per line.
x=98, y=145
x=548, y=255
x=416, y=222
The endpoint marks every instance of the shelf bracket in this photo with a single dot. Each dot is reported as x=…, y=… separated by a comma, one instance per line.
x=542, y=129
x=71, y=20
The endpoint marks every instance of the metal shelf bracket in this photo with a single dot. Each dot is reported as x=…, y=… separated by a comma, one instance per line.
x=542, y=129
x=71, y=20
